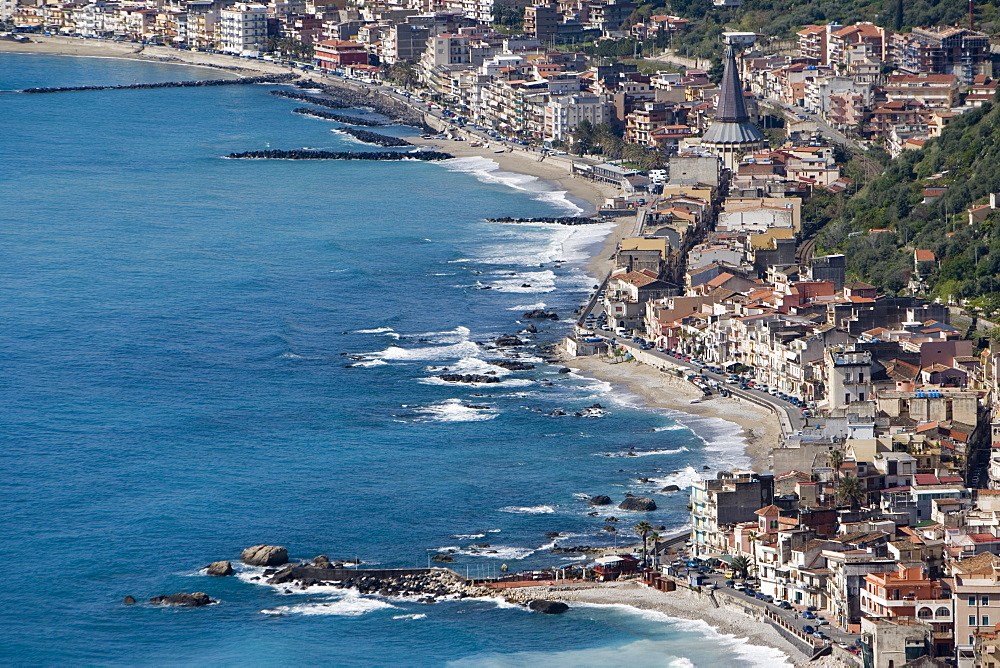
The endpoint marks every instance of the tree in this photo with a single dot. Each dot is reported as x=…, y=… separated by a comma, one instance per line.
x=742, y=566
x=654, y=538
x=850, y=490
x=643, y=528
x=752, y=538
x=836, y=459
x=404, y=73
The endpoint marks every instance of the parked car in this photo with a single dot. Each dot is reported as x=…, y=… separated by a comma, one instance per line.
x=808, y=615
x=808, y=630
x=784, y=605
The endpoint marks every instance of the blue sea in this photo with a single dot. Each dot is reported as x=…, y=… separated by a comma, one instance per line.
x=200, y=354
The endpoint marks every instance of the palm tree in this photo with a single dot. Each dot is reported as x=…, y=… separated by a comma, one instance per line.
x=742, y=566
x=752, y=538
x=850, y=490
x=836, y=459
x=643, y=529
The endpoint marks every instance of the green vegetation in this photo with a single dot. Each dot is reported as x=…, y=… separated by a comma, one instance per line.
x=292, y=48
x=602, y=139
x=964, y=160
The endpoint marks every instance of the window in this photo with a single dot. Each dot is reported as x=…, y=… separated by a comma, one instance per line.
x=972, y=600
x=972, y=620
x=942, y=612
x=986, y=620
x=985, y=600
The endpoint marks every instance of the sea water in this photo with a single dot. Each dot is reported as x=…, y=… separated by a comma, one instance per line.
x=201, y=354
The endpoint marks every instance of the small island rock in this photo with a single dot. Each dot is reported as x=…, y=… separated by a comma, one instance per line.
x=129, y=600
x=671, y=488
x=641, y=503
x=322, y=561
x=600, y=500
x=265, y=555
x=219, y=568
x=195, y=600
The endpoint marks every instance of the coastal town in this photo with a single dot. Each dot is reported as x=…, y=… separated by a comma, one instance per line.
x=870, y=529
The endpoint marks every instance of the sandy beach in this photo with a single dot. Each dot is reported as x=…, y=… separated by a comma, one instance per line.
x=683, y=604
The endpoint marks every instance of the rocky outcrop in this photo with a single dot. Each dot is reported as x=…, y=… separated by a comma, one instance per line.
x=540, y=314
x=600, y=500
x=264, y=555
x=129, y=600
x=322, y=561
x=512, y=365
x=548, y=607
x=375, y=138
x=239, y=81
x=184, y=600
x=443, y=558
x=304, y=154
x=425, y=585
x=640, y=503
x=468, y=378
x=340, y=118
x=219, y=568
x=671, y=488
x=508, y=340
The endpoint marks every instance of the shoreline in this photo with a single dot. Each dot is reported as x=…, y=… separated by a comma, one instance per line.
x=656, y=389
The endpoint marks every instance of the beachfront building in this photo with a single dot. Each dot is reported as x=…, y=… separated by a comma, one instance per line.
x=564, y=113
x=333, y=54
x=243, y=29
x=732, y=134
x=717, y=505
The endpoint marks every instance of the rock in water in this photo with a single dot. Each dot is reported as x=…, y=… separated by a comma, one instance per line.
x=195, y=600
x=600, y=500
x=322, y=561
x=671, y=488
x=637, y=503
x=548, y=607
x=129, y=600
x=539, y=314
x=220, y=568
x=443, y=558
x=265, y=555
x=508, y=340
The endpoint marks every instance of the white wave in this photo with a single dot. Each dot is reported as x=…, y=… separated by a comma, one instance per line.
x=510, y=382
x=456, y=335
x=528, y=307
x=367, y=364
x=488, y=171
x=506, y=552
x=528, y=510
x=684, y=478
x=539, y=281
x=670, y=427
x=468, y=536
x=351, y=604
x=641, y=453
x=427, y=353
x=411, y=616
x=376, y=330
x=454, y=410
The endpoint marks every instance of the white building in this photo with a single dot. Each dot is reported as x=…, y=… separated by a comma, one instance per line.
x=565, y=112
x=243, y=29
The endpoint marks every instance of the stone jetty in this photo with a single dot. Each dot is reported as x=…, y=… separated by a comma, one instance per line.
x=311, y=99
x=303, y=154
x=340, y=118
x=375, y=138
x=419, y=583
x=239, y=81
x=351, y=95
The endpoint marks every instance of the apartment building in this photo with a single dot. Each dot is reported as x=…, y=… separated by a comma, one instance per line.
x=243, y=29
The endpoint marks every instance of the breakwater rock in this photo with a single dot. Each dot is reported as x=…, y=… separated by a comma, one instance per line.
x=558, y=220
x=311, y=99
x=548, y=607
x=265, y=555
x=427, y=584
x=239, y=81
x=468, y=378
x=340, y=118
x=303, y=154
x=349, y=94
x=375, y=138
x=540, y=314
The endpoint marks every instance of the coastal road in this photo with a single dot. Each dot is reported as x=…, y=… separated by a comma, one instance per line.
x=788, y=414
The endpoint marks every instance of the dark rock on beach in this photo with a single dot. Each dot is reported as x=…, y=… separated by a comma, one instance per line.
x=548, y=607
x=195, y=600
x=640, y=503
x=219, y=568
x=264, y=555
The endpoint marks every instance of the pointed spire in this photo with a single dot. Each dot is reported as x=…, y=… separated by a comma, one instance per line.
x=732, y=106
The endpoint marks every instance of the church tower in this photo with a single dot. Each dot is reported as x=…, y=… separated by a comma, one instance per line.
x=732, y=134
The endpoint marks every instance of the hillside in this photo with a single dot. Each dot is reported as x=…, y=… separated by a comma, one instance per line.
x=966, y=161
